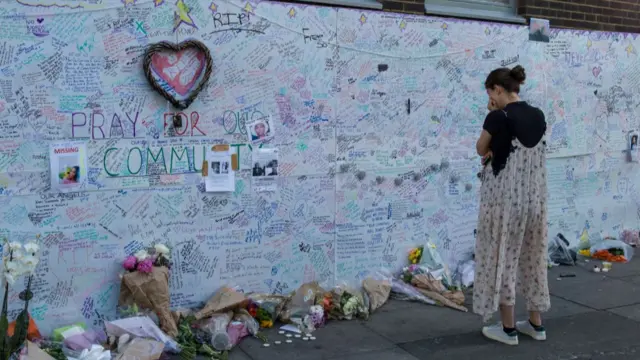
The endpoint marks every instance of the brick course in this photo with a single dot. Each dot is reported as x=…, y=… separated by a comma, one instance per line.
x=605, y=15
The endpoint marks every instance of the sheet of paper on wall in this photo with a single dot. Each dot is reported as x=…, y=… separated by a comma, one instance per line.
x=220, y=176
x=68, y=164
x=633, y=140
x=265, y=170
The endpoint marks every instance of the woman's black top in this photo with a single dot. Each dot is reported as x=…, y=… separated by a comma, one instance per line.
x=518, y=120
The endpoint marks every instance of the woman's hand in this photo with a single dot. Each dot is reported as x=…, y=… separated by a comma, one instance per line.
x=486, y=158
x=492, y=105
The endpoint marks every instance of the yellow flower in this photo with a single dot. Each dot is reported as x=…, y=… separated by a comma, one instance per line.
x=414, y=261
x=266, y=323
x=585, y=252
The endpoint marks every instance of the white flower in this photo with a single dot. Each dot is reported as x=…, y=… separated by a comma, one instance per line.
x=17, y=255
x=10, y=278
x=14, y=245
x=29, y=263
x=141, y=255
x=162, y=249
x=12, y=266
x=31, y=247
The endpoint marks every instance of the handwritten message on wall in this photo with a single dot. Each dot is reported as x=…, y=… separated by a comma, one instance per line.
x=375, y=115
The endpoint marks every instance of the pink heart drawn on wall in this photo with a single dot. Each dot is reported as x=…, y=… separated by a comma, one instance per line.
x=596, y=71
x=175, y=71
x=180, y=70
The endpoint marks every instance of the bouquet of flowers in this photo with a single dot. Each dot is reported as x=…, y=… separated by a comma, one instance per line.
x=317, y=316
x=415, y=255
x=144, y=260
x=146, y=284
x=408, y=272
x=261, y=315
x=347, y=303
x=18, y=260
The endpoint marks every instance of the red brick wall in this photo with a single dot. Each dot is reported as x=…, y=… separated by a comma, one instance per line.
x=606, y=15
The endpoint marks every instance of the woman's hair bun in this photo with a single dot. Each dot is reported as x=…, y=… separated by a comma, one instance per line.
x=518, y=74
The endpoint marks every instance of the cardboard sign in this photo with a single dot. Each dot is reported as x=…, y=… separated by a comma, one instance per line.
x=142, y=349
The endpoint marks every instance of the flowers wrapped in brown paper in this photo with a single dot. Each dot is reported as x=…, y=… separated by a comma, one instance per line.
x=301, y=301
x=150, y=291
x=378, y=292
x=223, y=300
x=434, y=289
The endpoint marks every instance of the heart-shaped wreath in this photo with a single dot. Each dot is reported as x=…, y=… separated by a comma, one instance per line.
x=155, y=64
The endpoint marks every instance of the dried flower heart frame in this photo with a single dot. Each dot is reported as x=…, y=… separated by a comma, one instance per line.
x=178, y=72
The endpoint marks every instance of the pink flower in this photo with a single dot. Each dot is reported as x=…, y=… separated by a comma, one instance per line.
x=145, y=266
x=129, y=263
x=413, y=268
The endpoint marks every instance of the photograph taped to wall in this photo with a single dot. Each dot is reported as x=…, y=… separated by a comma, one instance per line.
x=68, y=165
x=539, y=30
x=261, y=129
x=220, y=177
x=265, y=169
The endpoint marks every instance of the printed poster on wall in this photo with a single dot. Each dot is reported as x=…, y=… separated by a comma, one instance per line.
x=220, y=176
x=68, y=162
x=265, y=170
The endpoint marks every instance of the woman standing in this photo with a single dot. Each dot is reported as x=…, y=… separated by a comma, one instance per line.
x=512, y=226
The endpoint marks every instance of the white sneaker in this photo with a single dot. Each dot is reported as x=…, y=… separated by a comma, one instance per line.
x=525, y=327
x=496, y=332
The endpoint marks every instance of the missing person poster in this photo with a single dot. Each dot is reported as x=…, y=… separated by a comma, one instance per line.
x=68, y=161
x=220, y=176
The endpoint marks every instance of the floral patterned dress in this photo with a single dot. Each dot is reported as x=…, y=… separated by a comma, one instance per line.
x=511, y=245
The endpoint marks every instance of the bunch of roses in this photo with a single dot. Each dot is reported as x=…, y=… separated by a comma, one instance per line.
x=144, y=260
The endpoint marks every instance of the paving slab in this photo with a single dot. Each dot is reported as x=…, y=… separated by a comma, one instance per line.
x=630, y=312
x=601, y=292
x=628, y=269
x=391, y=354
x=338, y=338
x=631, y=279
x=583, y=272
x=238, y=354
x=421, y=321
x=568, y=337
x=559, y=308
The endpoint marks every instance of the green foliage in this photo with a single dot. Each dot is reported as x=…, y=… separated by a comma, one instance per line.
x=4, y=325
x=11, y=344
x=191, y=345
x=54, y=350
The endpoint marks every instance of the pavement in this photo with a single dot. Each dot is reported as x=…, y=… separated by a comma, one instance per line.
x=593, y=316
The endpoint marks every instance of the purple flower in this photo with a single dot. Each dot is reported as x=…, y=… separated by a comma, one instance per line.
x=145, y=266
x=130, y=263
